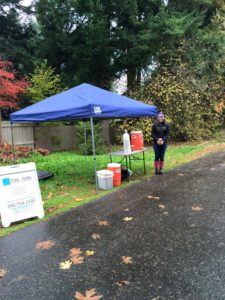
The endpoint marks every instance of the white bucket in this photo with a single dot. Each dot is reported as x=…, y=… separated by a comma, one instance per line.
x=105, y=179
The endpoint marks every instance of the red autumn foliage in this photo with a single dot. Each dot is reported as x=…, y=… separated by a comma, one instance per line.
x=8, y=153
x=10, y=86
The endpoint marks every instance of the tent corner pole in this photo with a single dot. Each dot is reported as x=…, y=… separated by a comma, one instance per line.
x=12, y=140
x=93, y=150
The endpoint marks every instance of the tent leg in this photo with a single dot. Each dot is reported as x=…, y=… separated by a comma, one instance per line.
x=85, y=138
x=93, y=149
x=12, y=139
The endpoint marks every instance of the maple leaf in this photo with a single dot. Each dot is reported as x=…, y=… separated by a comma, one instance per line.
x=2, y=273
x=161, y=206
x=122, y=283
x=95, y=236
x=127, y=260
x=126, y=219
x=89, y=252
x=89, y=295
x=75, y=252
x=65, y=265
x=45, y=245
x=75, y=257
x=77, y=260
x=103, y=223
x=196, y=208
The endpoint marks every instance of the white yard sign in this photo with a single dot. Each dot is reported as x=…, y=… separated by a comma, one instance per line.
x=20, y=196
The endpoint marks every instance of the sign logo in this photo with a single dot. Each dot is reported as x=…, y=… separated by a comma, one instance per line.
x=6, y=181
x=97, y=110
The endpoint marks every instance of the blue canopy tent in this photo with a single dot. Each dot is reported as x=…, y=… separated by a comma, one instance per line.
x=84, y=101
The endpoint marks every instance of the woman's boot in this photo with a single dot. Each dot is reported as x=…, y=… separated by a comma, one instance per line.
x=161, y=165
x=156, y=164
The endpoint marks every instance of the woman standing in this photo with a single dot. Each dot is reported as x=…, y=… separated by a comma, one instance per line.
x=160, y=134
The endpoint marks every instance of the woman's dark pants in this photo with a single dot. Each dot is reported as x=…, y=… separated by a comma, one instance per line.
x=160, y=151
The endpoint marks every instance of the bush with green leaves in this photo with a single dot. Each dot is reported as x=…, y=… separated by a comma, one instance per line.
x=44, y=82
x=84, y=129
x=189, y=103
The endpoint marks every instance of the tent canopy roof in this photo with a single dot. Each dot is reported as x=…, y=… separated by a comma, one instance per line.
x=81, y=102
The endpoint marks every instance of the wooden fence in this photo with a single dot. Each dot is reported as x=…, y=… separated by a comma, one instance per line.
x=54, y=138
x=23, y=133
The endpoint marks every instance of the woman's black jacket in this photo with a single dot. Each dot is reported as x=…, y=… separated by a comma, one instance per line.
x=160, y=130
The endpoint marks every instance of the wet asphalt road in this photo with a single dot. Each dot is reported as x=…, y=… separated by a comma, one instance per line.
x=177, y=253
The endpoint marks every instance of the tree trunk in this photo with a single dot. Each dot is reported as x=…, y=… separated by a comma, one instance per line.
x=131, y=78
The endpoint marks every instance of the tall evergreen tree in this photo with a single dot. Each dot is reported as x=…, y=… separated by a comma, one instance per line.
x=16, y=35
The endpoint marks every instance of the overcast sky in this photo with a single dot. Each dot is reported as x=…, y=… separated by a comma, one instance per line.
x=26, y=2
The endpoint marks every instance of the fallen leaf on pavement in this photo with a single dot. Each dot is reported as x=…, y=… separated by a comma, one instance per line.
x=89, y=295
x=126, y=219
x=95, y=236
x=75, y=252
x=127, y=260
x=46, y=245
x=122, y=283
x=89, y=252
x=77, y=260
x=75, y=257
x=161, y=206
x=103, y=223
x=196, y=208
x=65, y=265
x=2, y=273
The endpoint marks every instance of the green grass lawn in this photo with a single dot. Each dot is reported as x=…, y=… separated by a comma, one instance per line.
x=74, y=185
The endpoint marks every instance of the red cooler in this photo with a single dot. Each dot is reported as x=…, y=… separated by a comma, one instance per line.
x=137, y=141
x=116, y=168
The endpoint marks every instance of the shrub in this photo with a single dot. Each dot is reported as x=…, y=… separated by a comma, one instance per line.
x=189, y=103
x=9, y=154
x=99, y=144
